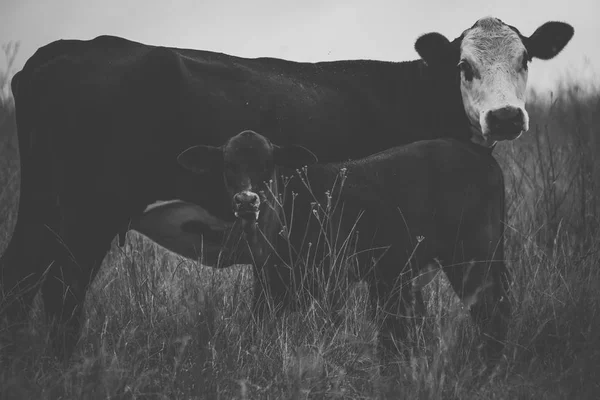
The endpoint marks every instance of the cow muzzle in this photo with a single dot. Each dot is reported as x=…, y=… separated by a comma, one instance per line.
x=506, y=123
x=246, y=205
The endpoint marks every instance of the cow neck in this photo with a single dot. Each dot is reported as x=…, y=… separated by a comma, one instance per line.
x=482, y=150
x=435, y=109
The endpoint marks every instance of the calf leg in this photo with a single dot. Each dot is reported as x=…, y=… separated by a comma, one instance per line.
x=260, y=295
x=393, y=295
x=272, y=289
x=481, y=281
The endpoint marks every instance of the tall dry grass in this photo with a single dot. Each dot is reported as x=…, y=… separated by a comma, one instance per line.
x=161, y=327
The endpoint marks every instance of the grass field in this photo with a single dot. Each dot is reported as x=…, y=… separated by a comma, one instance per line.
x=161, y=327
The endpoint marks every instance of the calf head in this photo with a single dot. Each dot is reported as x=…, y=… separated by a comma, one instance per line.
x=248, y=163
x=492, y=61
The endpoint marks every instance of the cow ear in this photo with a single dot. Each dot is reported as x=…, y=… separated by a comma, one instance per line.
x=293, y=156
x=548, y=40
x=201, y=158
x=434, y=48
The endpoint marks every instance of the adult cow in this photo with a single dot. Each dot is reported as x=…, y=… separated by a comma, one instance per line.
x=411, y=206
x=100, y=124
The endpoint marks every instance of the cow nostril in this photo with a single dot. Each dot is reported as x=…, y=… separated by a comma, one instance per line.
x=520, y=116
x=516, y=116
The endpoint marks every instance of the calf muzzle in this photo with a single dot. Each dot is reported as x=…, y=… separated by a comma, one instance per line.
x=246, y=205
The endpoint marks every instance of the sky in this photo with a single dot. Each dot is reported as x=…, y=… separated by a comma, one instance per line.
x=306, y=30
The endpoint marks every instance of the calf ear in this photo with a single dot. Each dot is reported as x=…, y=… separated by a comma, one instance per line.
x=434, y=48
x=201, y=158
x=293, y=156
x=548, y=40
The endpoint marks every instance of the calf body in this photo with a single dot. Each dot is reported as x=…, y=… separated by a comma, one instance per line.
x=404, y=208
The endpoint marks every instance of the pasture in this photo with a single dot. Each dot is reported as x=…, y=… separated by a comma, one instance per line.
x=160, y=327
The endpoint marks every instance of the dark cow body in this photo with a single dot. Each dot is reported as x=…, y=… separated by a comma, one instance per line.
x=446, y=194
x=100, y=123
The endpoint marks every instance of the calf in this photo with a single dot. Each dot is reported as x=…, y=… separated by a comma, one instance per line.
x=431, y=201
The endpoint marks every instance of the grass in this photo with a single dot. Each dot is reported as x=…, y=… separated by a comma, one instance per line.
x=161, y=327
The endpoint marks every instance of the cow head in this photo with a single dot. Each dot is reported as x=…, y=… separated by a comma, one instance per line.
x=248, y=162
x=492, y=60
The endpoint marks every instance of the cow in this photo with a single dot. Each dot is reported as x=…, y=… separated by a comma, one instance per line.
x=101, y=122
x=434, y=201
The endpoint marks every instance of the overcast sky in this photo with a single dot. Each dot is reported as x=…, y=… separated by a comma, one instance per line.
x=301, y=30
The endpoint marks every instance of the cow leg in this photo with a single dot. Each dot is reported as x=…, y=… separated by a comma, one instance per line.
x=481, y=280
x=83, y=244
x=21, y=268
x=22, y=265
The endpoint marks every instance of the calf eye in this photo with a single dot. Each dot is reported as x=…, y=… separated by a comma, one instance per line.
x=466, y=69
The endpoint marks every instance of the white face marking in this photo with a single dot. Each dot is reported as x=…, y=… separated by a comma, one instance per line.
x=493, y=81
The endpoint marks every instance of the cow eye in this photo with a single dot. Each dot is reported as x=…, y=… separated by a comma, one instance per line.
x=466, y=69
x=525, y=61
